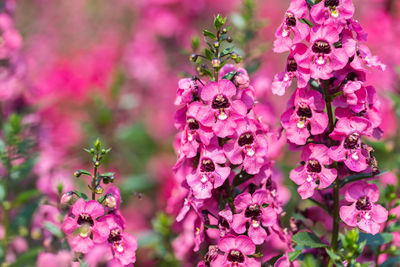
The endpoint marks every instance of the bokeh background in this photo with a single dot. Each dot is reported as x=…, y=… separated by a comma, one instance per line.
x=110, y=69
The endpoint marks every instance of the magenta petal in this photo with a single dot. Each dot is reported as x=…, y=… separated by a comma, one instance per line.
x=227, y=243
x=94, y=209
x=245, y=245
x=257, y=234
x=209, y=91
x=379, y=213
x=78, y=207
x=349, y=214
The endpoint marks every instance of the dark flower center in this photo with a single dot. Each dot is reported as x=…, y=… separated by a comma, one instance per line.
x=220, y=101
x=235, y=256
x=246, y=139
x=321, y=47
x=331, y=3
x=291, y=65
x=363, y=203
x=115, y=236
x=304, y=111
x=351, y=141
x=207, y=165
x=85, y=218
x=253, y=211
x=290, y=20
x=193, y=124
x=223, y=223
x=313, y=166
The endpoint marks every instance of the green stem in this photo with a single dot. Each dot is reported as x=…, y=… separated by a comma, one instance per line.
x=94, y=178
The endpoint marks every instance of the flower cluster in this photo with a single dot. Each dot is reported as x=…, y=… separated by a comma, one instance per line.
x=95, y=228
x=328, y=60
x=230, y=197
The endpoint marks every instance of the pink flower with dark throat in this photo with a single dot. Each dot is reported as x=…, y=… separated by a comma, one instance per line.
x=248, y=147
x=349, y=131
x=236, y=250
x=81, y=226
x=322, y=56
x=283, y=80
x=222, y=109
x=209, y=173
x=292, y=30
x=305, y=116
x=313, y=173
x=251, y=210
x=332, y=11
x=363, y=212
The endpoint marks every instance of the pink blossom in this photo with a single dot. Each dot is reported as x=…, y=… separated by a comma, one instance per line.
x=332, y=11
x=81, y=223
x=354, y=95
x=188, y=91
x=236, y=249
x=222, y=109
x=292, y=30
x=363, y=212
x=349, y=131
x=61, y=259
x=313, y=173
x=248, y=147
x=251, y=210
x=322, y=56
x=209, y=173
x=305, y=116
x=283, y=80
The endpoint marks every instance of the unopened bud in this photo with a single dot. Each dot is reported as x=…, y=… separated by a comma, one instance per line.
x=99, y=189
x=97, y=163
x=66, y=198
x=92, y=150
x=229, y=39
x=216, y=44
x=216, y=63
x=103, y=151
x=110, y=201
x=193, y=57
x=77, y=173
x=224, y=30
x=238, y=59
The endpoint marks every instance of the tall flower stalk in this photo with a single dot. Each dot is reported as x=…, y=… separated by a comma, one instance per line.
x=330, y=111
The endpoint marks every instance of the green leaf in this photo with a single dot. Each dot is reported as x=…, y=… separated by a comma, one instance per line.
x=310, y=2
x=2, y=193
x=81, y=195
x=308, y=239
x=306, y=21
x=229, y=75
x=85, y=172
x=209, y=34
x=195, y=43
x=53, y=229
x=335, y=258
x=26, y=196
x=360, y=176
x=376, y=240
x=209, y=55
x=294, y=254
x=226, y=51
x=219, y=21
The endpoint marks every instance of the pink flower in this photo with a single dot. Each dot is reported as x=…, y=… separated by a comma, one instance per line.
x=291, y=24
x=304, y=116
x=363, y=212
x=81, y=226
x=194, y=132
x=283, y=80
x=332, y=11
x=313, y=173
x=122, y=244
x=222, y=109
x=248, y=147
x=354, y=95
x=236, y=249
x=225, y=221
x=349, y=131
x=250, y=210
x=61, y=259
x=322, y=56
x=209, y=173
x=188, y=91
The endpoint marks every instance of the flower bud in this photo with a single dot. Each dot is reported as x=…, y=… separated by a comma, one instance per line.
x=224, y=30
x=66, y=198
x=216, y=63
x=110, y=201
x=229, y=39
x=193, y=57
x=99, y=190
x=97, y=164
x=92, y=150
x=216, y=44
x=103, y=151
x=77, y=173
